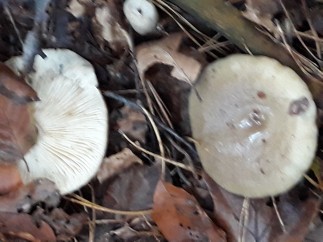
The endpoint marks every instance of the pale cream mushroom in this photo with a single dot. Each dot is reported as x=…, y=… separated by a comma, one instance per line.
x=254, y=125
x=142, y=15
x=71, y=118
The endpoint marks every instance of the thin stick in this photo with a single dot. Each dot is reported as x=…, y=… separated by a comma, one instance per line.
x=161, y=125
x=175, y=163
x=7, y=11
x=159, y=140
x=82, y=201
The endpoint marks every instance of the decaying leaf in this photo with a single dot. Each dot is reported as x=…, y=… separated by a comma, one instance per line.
x=23, y=199
x=115, y=164
x=263, y=223
x=108, y=21
x=76, y=8
x=180, y=218
x=261, y=13
x=166, y=51
x=133, y=189
x=64, y=225
x=316, y=232
x=17, y=132
x=133, y=123
x=10, y=178
x=20, y=226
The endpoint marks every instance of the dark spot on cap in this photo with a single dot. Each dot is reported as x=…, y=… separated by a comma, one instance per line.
x=299, y=106
x=261, y=94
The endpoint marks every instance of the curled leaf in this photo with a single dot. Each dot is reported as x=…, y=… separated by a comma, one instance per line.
x=166, y=51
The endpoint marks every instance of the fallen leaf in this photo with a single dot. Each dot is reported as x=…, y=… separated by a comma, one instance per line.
x=76, y=8
x=263, y=224
x=133, y=123
x=127, y=233
x=262, y=12
x=166, y=51
x=133, y=189
x=17, y=131
x=180, y=218
x=64, y=225
x=115, y=164
x=10, y=178
x=17, y=226
x=173, y=93
x=14, y=88
x=316, y=233
x=23, y=199
x=108, y=27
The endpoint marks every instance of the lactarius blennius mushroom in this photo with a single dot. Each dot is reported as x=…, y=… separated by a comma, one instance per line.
x=71, y=118
x=254, y=124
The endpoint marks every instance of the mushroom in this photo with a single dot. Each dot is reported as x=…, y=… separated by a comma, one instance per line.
x=71, y=118
x=254, y=124
x=141, y=14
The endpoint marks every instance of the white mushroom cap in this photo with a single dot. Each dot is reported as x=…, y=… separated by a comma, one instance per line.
x=255, y=125
x=71, y=118
x=141, y=14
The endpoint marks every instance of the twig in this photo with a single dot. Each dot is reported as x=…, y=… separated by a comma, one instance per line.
x=82, y=201
x=281, y=222
x=175, y=163
x=159, y=140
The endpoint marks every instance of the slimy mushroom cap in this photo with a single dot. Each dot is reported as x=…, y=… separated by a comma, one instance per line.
x=254, y=124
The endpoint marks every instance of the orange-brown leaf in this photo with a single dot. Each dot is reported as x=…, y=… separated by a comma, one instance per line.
x=17, y=131
x=22, y=226
x=10, y=178
x=14, y=88
x=180, y=218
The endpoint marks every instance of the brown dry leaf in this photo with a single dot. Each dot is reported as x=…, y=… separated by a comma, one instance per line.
x=316, y=233
x=263, y=20
x=166, y=51
x=108, y=25
x=76, y=8
x=128, y=233
x=180, y=218
x=263, y=224
x=23, y=199
x=14, y=88
x=262, y=12
x=116, y=163
x=133, y=123
x=10, y=178
x=133, y=189
x=17, y=227
x=17, y=132
x=64, y=225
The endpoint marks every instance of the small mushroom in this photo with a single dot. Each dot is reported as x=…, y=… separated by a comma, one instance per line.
x=254, y=124
x=71, y=118
x=142, y=15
